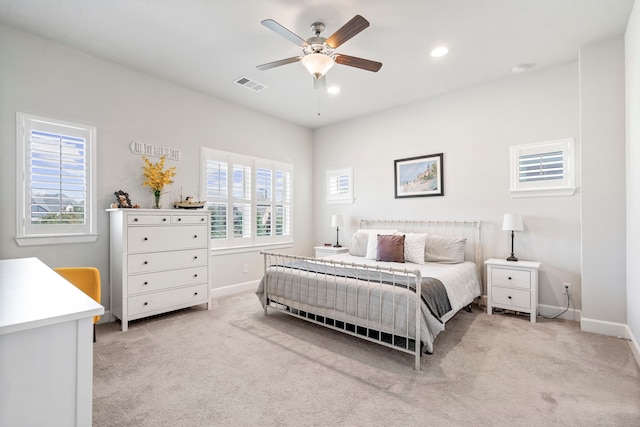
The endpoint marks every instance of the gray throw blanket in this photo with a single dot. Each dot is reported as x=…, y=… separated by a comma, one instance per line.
x=434, y=294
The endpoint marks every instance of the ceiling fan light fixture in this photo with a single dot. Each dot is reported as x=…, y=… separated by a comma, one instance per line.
x=317, y=64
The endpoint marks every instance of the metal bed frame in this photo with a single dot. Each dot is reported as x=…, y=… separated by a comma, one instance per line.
x=368, y=291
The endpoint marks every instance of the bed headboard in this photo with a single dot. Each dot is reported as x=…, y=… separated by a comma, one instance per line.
x=471, y=230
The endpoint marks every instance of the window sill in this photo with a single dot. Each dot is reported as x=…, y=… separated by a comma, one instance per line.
x=55, y=240
x=252, y=248
x=544, y=192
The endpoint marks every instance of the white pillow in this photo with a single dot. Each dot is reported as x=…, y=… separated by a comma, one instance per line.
x=372, y=244
x=414, y=247
x=447, y=250
x=358, y=246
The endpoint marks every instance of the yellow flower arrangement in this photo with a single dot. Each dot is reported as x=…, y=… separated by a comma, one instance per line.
x=156, y=177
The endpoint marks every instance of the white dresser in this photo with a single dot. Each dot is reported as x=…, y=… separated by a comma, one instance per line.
x=160, y=261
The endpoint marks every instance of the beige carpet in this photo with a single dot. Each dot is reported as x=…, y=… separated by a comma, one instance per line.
x=231, y=366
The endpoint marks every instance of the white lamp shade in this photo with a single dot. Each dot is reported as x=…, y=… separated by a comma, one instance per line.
x=336, y=221
x=317, y=64
x=512, y=222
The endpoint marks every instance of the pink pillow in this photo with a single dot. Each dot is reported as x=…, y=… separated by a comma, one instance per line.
x=390, y=248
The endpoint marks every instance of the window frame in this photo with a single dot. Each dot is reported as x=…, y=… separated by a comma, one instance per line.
x=565, y=186
x=336, y=197
x=231, y=243
x=53, y=234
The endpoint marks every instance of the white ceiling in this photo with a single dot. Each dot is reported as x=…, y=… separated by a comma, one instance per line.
x=207, y=45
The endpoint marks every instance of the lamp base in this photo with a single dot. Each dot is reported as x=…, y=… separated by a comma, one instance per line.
x=512, y=258
x=337, y=246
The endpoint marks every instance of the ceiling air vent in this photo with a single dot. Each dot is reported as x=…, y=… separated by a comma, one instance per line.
x=250, y=84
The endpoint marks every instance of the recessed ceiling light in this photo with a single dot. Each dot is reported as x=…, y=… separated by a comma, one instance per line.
x=521, y=68
x=439, y=51
x=333, y=90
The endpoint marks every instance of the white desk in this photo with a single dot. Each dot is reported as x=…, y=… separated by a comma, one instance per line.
x=46, y=347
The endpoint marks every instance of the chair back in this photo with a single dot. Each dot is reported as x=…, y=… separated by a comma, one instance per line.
x=87, y=279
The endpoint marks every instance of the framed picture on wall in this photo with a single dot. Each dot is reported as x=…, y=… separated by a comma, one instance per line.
x=419, y=176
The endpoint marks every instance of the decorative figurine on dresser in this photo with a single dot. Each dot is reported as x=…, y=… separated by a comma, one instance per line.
x=159, y=261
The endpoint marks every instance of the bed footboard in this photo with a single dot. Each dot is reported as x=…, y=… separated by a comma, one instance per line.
x=382, y=305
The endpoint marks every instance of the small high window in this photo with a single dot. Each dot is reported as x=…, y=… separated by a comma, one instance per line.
x=543, y=169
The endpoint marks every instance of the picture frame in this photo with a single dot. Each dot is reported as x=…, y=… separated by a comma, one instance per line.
x=122, y=199
x=420, y=176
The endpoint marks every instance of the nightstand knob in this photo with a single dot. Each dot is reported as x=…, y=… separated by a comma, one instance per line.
x=195, y=293
x=145, y=239
x=195, y=257
x=146, y=303
x=135, y=219
x=179, y=219
x=509, y=297
x=195, y=236
x=146, y=262
x=145, y=283
x=509, y=278
x=164, y=219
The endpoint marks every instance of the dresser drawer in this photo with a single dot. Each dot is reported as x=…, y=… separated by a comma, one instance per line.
x=162, y=301
x=142, y=239
x=154, y=261
x=159, y=280
x=510, y=277
x=189, y=219
x=148, y=219
x=516, y=298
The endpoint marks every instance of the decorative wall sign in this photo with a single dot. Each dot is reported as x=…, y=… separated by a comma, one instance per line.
x=154, y=150
x=419, y=176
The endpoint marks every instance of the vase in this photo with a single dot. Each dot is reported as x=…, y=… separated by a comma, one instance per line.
x=156, y=196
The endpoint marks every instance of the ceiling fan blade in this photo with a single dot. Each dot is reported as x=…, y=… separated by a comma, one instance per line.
x=287, y=34
x=320, y=83
x=270, y=65
x=364, y=64
x=348, y=30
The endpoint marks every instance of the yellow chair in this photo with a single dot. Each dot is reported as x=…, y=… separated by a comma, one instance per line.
x=87, y=279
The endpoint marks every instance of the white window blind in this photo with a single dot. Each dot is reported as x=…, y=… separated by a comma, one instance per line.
x=340, y=186
x=258, y=194
x=56, y=186
x=543, y=169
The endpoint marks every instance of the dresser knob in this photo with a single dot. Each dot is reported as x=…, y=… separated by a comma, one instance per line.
x=195, y=275
x=201, y=219
x=145, y=283
x=195, y=257
x=179, y=219
x=135, y=219
x=195, y=236
x=146, y=262
x=145, y=239
x=164, y=219
x=509, y=278
x=509, y=297
x=195, y=293
x=146, y=303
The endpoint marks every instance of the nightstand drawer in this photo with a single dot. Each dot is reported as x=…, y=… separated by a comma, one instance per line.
x=511, y=297
x=509, y=277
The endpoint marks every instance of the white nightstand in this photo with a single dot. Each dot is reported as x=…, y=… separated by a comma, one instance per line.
x=513, y=285
x=322, y=251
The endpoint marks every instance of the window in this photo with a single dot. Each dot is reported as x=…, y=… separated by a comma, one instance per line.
x=543, y=169
x=249, y=200
x=56, y=181
x=340, y=186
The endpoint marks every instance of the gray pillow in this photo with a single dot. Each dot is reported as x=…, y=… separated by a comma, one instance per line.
x=444, y=249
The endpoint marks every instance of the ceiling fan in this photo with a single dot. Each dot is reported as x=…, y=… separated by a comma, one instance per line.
x=318, y=52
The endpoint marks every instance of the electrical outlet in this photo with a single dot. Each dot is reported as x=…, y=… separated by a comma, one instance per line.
x=566, y=288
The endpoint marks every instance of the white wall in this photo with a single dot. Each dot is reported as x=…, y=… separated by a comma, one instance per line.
x=474, y=129
x=42, y=78
x=632, y=57
x=603, y=187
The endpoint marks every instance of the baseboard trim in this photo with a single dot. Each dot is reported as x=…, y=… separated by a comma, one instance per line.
x=551, y=311
x=603, y=327
x=633, y=343
x=234, y=289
